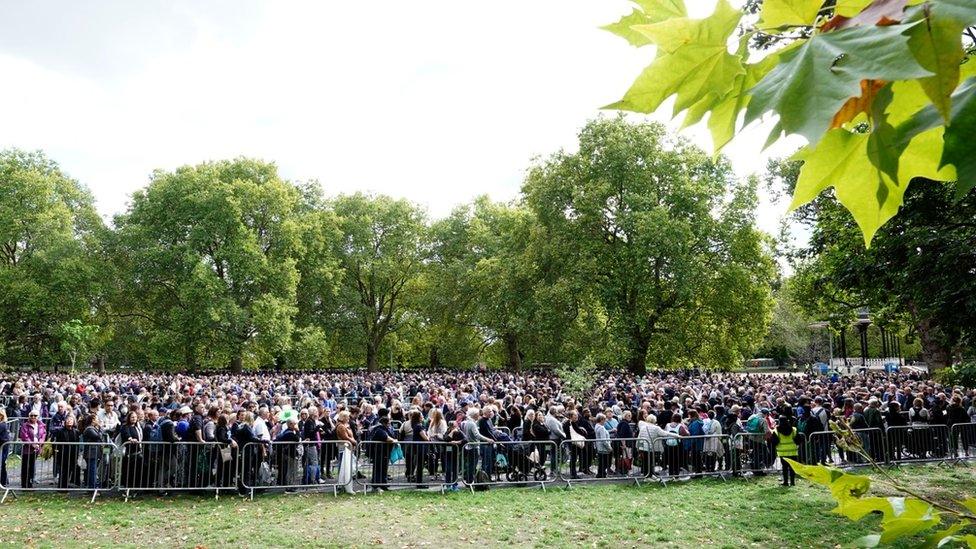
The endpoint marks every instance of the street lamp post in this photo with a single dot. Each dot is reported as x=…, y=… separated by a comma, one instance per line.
x=863, y=321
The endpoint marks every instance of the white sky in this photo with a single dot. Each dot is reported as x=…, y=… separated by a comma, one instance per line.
x=435, y=101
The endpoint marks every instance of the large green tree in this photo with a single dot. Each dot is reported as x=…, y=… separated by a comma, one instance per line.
x=382, y=249
x=209, y=257
x=664, y=235
x=50, y=274
x=490, y=267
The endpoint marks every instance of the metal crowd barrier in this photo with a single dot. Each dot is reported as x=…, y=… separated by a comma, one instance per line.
x=57, y=467
x=290, y=466
x=616, y=460
x=181, y=466
x=962, y=437
x=822, y=446
x=13, y=427
x=690, y=457
x=409, y=464
x=917, y=443
x=752, y=453
x=508, y=463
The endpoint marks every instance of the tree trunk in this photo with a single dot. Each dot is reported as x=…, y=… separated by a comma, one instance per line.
x=372, y=363
x=236, y=364
x=935, y=355
x=435, y=359
x=514, y=361
x=100, y=364
x=637, y=363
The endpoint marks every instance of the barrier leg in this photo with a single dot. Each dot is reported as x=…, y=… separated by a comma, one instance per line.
x=94, y=495
x=5, y=494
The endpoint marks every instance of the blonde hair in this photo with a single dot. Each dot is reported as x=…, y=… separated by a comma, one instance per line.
x=3, y=415
x=343, y=417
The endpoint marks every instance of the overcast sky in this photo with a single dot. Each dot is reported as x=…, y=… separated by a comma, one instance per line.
x=435, y=101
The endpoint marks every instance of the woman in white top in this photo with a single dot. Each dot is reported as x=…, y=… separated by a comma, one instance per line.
x=650, y=435
x=436, y=431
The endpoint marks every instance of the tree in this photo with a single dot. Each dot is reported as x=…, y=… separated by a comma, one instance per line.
x=49, y=266
x=209, y=252
x=319, y=278
x=883, y=91
x=77, y=339
x=918, y=271
x=664, y=236
x=790, y=337
x=490, y=271
x=381, y=252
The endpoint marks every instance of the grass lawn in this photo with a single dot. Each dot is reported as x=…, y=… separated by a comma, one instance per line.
x=704, y=513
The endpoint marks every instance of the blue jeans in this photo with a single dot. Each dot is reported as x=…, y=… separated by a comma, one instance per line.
x=312, y=474
x=488, y=458
x=91, y=473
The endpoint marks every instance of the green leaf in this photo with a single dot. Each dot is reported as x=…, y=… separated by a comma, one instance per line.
x=870, y=540
x=724, y=118
x=778, y=14
x=908, y=519
x=858, y=508
x=659, y=10
x=969, y=503
x=692, y=62
x=623, y=28
x=843, y=486
x=813, y=81
x=902, y=112
x=938, y=538
x=937, y=47
x=960, y=135
x=842, y=160
x=850, y=8
x=652, y=11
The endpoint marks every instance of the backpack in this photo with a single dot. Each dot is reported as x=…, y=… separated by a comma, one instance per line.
x=755, y=424
x=676, y=430
x=156, y=432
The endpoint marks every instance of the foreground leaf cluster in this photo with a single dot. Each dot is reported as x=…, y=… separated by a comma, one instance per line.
x=902, y=516
x=882, y=91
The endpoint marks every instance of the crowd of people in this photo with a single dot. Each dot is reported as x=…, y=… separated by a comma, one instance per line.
x=305, y=429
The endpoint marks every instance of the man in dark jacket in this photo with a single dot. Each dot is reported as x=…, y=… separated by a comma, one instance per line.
x=381, y=439
x=285, y=450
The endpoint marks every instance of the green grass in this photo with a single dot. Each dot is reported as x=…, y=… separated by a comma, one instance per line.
x=707, y=513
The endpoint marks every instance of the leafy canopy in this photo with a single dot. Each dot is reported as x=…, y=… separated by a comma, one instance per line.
x=885, y=86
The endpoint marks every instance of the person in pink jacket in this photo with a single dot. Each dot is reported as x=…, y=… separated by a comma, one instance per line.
x=32, y=434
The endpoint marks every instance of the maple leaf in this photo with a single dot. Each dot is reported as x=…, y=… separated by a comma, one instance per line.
x=859, y=104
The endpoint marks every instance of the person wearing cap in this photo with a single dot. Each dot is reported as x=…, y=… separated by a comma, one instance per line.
x=286, y=449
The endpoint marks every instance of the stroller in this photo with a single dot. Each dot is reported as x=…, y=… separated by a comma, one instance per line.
x=519, y=462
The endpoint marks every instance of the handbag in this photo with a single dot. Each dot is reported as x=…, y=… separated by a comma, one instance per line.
x=397, y=454
x=577, y=438
x=264, y=474
x=226, y=454
x=81, y=462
